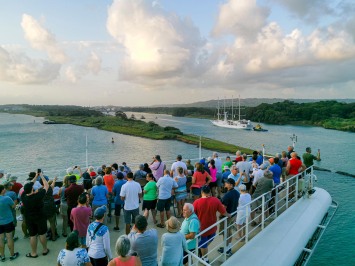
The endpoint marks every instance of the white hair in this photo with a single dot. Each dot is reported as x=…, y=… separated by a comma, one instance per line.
x=190, y=206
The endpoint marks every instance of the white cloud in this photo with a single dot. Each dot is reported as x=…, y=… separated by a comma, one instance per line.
x=243, y=19
x=157, y=44
x=42, y=39
x=20, y=69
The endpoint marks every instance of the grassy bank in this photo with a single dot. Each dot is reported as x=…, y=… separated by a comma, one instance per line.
x=146, y=130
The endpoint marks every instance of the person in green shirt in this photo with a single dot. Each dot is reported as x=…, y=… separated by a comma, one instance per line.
x=150, y=197
x=308, y=157
x=228, y=163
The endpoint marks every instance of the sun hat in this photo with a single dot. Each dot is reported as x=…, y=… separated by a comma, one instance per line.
x=70, y=170
x=226, y=167
x=172, y=225
x=13, y=178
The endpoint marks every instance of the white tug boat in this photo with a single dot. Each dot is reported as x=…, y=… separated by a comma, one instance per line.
x=230, y=123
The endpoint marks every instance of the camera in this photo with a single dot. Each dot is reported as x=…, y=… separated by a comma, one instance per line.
x=39, y=171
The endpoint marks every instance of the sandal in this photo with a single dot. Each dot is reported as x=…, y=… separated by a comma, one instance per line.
x=29, y=255
x=45, y=253
x=16, y=254
x=160, y=226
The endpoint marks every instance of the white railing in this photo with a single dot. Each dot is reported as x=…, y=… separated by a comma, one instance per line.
x=282, y=196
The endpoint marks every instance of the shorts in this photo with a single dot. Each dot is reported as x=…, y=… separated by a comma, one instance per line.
x=7, y=228
x=82, y=240
x=130, y=215
x=219, y=177
x=164, y=204
x=63, y=208
x=196, y=191
x=230, y=222
x=36, y=225
x=149, y=204
x=206, y=240
x=118, y=208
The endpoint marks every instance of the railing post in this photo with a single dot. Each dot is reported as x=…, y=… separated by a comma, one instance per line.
x=262, y=211
x=287, y=191
x=296, y=189
x=225, y=236
x=276, y=201
x=246, y=224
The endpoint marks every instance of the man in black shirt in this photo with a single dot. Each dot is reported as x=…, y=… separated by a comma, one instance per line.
x=35, y=218
x=230, y=201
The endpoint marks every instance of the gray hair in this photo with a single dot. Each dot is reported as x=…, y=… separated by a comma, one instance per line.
x=190, y=206
x=234, y=167
x=123, y=245
x=238, y=153
x=99, y=180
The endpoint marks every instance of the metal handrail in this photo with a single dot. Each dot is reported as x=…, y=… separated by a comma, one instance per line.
x=310, y=178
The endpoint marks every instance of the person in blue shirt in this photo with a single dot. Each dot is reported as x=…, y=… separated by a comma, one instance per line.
x=6, y=225
x=118, y=201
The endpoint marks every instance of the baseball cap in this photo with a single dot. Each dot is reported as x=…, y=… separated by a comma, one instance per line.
x=230, y=181
x=100, y=212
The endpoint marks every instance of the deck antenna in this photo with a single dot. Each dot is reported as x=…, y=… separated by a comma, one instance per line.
x=200, y=149
x=263, y=152
x=294, y=140
x=232, y=109
x=86, y=148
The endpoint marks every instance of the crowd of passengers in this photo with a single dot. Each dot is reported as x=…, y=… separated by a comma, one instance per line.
x=88, y=200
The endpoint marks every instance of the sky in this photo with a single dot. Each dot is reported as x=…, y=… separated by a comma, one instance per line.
x=143, y=52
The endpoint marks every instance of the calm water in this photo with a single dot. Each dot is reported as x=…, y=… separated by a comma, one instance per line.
x=27, y=144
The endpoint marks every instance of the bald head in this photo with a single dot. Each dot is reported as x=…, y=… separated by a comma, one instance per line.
x=294, y=155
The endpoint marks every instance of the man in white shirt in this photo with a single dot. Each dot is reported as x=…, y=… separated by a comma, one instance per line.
x=98, y=239
x=175, y=165
x=165, y=186
x=130, y=193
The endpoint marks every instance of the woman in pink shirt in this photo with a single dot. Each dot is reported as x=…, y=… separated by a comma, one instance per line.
x=213, y=173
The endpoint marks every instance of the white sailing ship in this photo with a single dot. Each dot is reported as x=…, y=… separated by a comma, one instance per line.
x=230, y=123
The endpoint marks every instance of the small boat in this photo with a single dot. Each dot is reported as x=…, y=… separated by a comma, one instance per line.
x=258, y=127
x=142, y=117
x=47, y=122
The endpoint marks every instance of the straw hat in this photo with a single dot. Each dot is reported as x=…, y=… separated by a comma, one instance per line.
x=172, y=225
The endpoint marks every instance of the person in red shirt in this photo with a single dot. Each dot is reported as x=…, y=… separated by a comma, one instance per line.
x=206, y=209
x=109, y=182
x=72, y=194
x=15, y=186
x=80, y=217
x=294, y=167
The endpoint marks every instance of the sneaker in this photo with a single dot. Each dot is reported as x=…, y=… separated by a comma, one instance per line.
x=229, y=253
x=15, y=238
x=2, y=259
x=221, y=250
x=206, y=260
x=116, y=228
x=16, y=254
